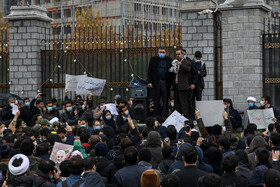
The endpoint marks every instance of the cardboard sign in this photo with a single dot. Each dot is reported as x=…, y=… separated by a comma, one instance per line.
x=261, y=117
x=60, y=152
x=175, y=119
x=15, y=109
x=112, y=108
x=90, y=85
x=211, y=112
x=71, y=81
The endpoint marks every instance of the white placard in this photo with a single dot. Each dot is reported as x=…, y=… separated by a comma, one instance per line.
x=261, y=117
x=71, y=81
x=15, y=109
x=90, y=85
x=175, y=119
x=112, y=108
x=211, y=112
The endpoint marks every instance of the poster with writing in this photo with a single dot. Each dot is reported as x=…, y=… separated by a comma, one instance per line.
x=112, y=108
x=211, y=112
x=71, y=81
x=15, y=109
x=90, y=85
x=261, y=117
x=60, y=152
x=175, y=119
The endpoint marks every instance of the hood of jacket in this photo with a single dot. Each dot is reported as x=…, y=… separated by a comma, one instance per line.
x=94, y=179
x=153, y=139
x=257, y=142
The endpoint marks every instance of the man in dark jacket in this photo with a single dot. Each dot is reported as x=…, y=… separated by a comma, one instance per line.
x=230, y=178
x=159, y=80
x=190, y=173
x=40, y=106
x=45, y=173
x=201, y=72
x=70, y=115
x=26, y=113
x=266, y=103
x=7, y=110
x=184, y=84
x=50, y=111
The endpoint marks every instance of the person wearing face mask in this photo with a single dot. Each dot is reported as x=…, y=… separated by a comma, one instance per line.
x=123, y=115
x=266, y=103
x=87, y=111
x=46, y=173
x=25, y=112
x=50, y=111
x=201, y=72
x=7, y=110
x=159, y=80
x=98, y=111
x=70, y=114
x=108, y=119
x=251, y=106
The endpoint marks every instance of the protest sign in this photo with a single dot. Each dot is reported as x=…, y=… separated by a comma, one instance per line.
x=88, y=85
x=175, y=119
x=60, y=152
x=112, y=108
x=15, y=109
x=262, y=118
x=211, y=112
x=71, y=81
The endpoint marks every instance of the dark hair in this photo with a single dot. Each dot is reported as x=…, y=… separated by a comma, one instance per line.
x=190, y=154
x=162, y=48
x=52, y=138
x=171, y=132
x=230, y=162
x=150, y=122
x=94, y=139
x=272, y=178
x=268, y=99
x=9, y=137
x=166, y=152
x=27, y=147
x=277, y=126
x=125, y=143
x=183, y=50
x=275, y=138
x=170, y=180
x=42, y=149
x=130, y=155
x=249, y=139
x=45, y=132
x=46, y=166
x=61, y=130
x=262, y=154
x=64, y=168
x=145, y=155
x=19, y=122
x=145, y=132
x=198, y=54
x=89, y=103
x=84, y=136
x=68, y=102
x=89, y=163
x=224, y=142
x=7, y=131
x=76, y=165
x=251, y=128
x=210, y=180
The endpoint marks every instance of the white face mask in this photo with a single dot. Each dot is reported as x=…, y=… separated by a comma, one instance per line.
x=126, y=113
x=172, y=104
x=108, y=117
x=64, y=139
x=262, y=103
x=225, y=106
x=224, y=128
x=4, y=128
x=12, y=105
x=156, y=124
x=197, y=60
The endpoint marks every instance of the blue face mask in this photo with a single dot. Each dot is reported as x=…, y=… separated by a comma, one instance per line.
x=50, y=109
x=101, y=106
x=69, y=109
x=98, y=127
x=54, y=106
x=185, y=57
x=83, y=125
x=251, y=105
x=51, y=176
x=161, y=55
x=83, y=107
x=49, y=127
x=27, y=104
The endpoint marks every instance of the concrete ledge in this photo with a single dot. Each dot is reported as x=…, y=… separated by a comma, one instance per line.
x=28, y=13
x=196, y=6
x=246, y=5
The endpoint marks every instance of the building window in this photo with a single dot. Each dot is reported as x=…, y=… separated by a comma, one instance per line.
x=155, y=10
x=137, y=7
x=67, y=13
x=164, y=11
x=170, y=12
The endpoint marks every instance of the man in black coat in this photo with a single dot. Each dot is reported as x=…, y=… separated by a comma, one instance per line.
x=159, y=80
x=184, y=84
x=7, y=110
x=26, y=113
x=190, y=173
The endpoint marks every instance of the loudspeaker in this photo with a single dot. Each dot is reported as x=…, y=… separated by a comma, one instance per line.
x=139, y=92
x=140, y=109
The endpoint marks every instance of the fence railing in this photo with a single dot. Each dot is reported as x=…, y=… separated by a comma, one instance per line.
x=4, y=60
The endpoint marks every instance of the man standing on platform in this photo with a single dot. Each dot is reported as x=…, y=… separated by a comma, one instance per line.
x=160, y=80
x=184, y=84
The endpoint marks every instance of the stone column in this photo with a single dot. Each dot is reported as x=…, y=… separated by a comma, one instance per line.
x=243, y=24
x=198, y=35
x=28, y=26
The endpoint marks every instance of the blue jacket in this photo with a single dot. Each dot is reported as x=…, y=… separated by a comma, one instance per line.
x=43, y=180
x=257, y=176
x=71, y=180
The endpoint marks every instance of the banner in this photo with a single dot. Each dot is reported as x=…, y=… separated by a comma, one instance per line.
x=90, y=85
x=175, y=119
x=261, y=117
x=112, y=108
x=71, y=81
x=211, y=112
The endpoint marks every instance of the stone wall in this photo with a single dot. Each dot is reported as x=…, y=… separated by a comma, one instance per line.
x=198, y=35
x=28, y=26
x=242, y=53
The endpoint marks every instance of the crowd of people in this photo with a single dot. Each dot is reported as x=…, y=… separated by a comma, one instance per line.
x=112, y=149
